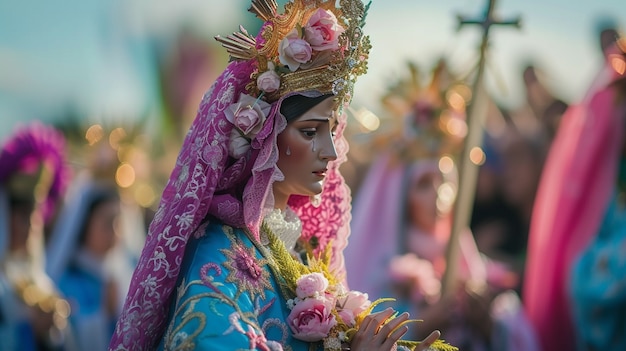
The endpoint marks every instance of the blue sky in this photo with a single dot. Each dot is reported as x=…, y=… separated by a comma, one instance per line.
x=93, y=54
x=558, y=36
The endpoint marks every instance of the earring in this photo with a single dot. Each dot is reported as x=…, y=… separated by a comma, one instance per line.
x=288, y=152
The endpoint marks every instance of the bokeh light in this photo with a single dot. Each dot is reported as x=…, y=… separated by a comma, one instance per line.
x=94, y=134
x=477, y=156
x=125, y=175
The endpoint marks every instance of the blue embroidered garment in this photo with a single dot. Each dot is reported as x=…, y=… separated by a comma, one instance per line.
x=598, y=286
x=228, y=298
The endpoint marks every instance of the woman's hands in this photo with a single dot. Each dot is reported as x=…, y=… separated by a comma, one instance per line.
x=429, y=340
x=375, y=334
x=379, y=332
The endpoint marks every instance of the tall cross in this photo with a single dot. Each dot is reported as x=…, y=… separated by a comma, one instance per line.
x=476, y=117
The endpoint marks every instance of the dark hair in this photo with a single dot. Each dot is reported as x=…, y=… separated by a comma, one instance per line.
x=297, y=105
x=99, y=196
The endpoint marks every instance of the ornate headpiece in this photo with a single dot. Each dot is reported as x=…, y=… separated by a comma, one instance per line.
x=34, y=166
x=430, y=119
x=313, y=45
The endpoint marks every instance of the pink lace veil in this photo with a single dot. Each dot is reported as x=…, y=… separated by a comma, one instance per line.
x=206, y=181
x=572, y=198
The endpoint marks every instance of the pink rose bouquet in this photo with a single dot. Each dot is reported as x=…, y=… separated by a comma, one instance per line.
x=311, y=319
x=351, y=304
x=311, y=285
x=322, y=309
x=319, y=307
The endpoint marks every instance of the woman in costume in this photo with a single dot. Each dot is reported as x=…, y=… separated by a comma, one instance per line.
x=574, y=283
x=33, y=177
x=256, y=181
x=78, y=260
x=403, y=225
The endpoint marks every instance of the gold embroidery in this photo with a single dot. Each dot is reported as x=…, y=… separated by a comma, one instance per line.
x=189, y=309
x=245, y=269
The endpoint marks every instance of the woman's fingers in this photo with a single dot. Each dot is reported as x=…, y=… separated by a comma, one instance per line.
x=371, y=323
x=389, y=327
x=379, y=332
x=394, y=337
x=429, y=340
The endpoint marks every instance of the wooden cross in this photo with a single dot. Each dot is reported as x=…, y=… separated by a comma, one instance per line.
x=468, y=171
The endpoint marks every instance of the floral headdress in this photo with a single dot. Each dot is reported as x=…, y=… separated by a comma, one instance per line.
x=313, y=45
x=37, y=153
x=227, y=164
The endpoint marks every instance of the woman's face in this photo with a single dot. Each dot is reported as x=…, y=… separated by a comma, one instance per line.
x=101, y=228
x=306, y=147
x=423, y=201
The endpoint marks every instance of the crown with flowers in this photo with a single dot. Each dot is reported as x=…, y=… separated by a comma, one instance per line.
x=312, y=45
x=429, y=118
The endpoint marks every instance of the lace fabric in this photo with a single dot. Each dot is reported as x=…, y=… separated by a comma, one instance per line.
x=286, y=225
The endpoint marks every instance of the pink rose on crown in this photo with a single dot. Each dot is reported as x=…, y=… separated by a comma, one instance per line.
x=311, y=319
x=247, y=115
x=351, y=305
x=311, y=285
x=268, y=81
x=294, y=51
x=322, y=31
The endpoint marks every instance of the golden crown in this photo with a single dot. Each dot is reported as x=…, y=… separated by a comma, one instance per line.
x=313, y=45
x=429, y=118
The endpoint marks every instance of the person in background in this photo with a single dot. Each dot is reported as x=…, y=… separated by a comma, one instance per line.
x=402, y=221
x=78, y=255
x=33, y=179
x=574, y=284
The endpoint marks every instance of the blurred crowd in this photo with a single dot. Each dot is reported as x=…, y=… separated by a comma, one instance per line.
x=76, y=199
